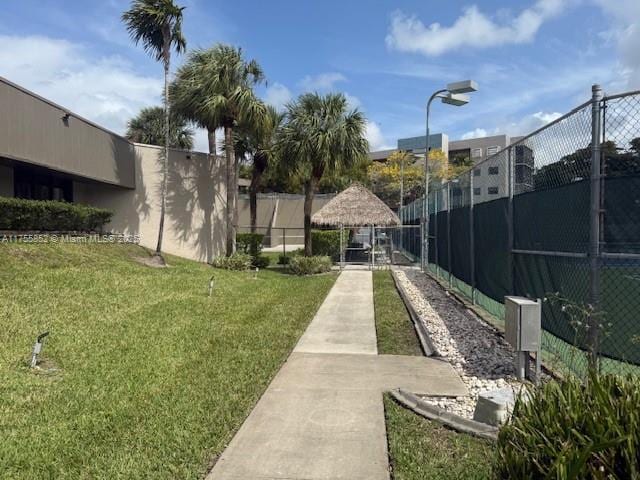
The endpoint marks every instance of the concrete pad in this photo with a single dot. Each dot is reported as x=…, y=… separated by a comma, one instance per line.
x=345, y=322
x=421, y=375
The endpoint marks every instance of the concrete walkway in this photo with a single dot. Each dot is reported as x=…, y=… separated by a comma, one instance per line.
x=322, y=417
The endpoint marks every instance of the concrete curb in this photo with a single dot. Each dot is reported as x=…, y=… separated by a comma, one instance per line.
x=456, y=422
x=428, y=347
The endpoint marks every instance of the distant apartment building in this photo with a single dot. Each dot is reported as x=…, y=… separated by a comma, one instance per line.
x=490, y=178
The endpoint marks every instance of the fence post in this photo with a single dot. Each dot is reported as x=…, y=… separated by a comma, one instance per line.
x=435, y=230
x=284, y=242
x=510, y=220
x=472, y=258
x=594, y=220
x=449, y=230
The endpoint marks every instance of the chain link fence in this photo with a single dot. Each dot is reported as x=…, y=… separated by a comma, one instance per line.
x=555, y=216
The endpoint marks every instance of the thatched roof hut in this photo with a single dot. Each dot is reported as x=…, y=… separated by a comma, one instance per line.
x=355, y=207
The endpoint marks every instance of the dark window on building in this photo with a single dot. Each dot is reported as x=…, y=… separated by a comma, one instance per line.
x=493, y=190
x=494, y=170
x=477, y=191
x=477, y=172
x=37, y=184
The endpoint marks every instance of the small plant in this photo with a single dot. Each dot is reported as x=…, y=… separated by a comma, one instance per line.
x=310, y=265
x=582, y=318
x=284, y=259
x=237, y=261
x=574, y=430
x=250, y=243
x=261, y=261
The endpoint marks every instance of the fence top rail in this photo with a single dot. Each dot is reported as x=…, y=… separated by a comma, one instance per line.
x=621, y=95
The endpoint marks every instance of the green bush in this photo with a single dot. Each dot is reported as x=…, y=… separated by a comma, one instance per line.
x=327, y=242
x=571, y=430
x=284, y=259
x=48, y=215
x=250, y=243
x=261, y=261
x=310, y=265
x=237, y=261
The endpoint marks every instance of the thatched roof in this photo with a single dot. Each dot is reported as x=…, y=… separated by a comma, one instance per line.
x=356, y=206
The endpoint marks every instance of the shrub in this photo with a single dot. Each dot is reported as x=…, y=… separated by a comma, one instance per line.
x=572, y=429
x=284, y=259
x=250, y=243
x=237, y=261
x=49, y=215
x=327, y=242
x=310, y=265
x=261, y=261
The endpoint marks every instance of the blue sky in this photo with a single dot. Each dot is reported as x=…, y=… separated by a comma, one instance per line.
x=533, y=59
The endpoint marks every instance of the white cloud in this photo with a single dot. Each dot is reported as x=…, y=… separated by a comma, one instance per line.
x=105, y=90
x=477, y=133
x=625, y=31
x=473, y=29
x=278, y=95
x=375, y=137
x=324, y=81
x=522, y=126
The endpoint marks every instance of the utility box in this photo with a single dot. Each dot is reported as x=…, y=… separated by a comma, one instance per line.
x=522, y=330
x=522, y=323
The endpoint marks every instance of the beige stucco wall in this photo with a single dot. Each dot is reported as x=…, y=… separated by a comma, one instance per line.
x=277, y=211
x=6, y=181
x=194, y=222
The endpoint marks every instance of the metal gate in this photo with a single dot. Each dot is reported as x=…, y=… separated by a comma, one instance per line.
x=380, y=247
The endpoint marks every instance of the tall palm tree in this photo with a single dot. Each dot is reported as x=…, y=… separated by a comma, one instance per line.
x=148, y=127
x=320, y=136
x=215, y=88
x=257, y=139
x=157, y=24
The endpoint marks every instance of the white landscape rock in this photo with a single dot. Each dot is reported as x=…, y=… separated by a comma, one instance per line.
x=476, y=350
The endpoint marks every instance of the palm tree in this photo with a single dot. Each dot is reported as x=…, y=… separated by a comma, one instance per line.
x=215, y=88
x=257, y=139
x=148, y=127
x=320, y=136
x=157, y=24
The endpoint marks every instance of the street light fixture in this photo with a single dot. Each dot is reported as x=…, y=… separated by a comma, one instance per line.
x=454, y=95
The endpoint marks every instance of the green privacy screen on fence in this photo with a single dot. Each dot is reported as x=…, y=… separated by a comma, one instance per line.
x=538, y=194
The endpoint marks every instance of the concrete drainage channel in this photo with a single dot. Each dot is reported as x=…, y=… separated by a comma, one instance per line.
x=492, y=407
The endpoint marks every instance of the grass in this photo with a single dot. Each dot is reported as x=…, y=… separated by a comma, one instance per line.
x=145, y=375
x=421, y=449
x=395, y=331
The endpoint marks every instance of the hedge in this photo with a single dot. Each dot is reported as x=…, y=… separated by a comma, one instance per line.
x=327, y=242
x=310, y=265
x=48, y=215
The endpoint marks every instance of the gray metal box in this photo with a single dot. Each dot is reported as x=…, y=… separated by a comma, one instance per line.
x=522, y=323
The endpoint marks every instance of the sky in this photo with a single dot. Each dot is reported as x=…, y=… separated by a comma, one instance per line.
x=533, y=59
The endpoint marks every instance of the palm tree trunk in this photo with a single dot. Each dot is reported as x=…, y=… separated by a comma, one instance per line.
x=256, y=174
x=165, y=161
x=309, y=192
x=211, y=136
x=232, y=189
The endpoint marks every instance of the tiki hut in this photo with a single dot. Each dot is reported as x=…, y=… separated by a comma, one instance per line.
x=355, y=207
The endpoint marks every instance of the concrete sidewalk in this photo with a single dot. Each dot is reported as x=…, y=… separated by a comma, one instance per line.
x=322, y=417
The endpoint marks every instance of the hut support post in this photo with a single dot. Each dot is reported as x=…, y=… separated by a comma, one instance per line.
x=373, y=247
x=341, y=246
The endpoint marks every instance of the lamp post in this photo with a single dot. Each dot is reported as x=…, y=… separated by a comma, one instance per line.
x=452, y=95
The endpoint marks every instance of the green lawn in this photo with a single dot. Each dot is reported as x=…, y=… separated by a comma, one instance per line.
x=145, y=375
x=421, y=449
x=395, y=331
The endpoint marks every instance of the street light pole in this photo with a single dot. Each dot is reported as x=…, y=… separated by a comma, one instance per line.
x=425, y=206
x=452, y=95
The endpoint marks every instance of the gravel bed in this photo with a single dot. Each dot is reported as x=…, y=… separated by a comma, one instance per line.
x=476, y=350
